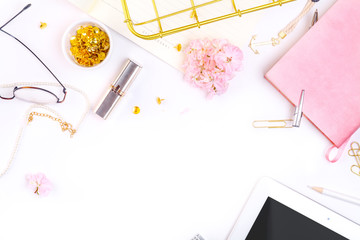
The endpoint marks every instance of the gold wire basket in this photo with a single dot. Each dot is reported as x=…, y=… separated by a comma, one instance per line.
x=192, y=10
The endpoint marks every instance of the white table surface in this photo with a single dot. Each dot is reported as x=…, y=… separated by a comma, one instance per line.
x=186, y=166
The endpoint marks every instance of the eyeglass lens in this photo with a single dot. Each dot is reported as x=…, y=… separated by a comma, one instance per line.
x=36, y=95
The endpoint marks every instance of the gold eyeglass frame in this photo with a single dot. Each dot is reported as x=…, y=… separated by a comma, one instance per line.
x=192, y=9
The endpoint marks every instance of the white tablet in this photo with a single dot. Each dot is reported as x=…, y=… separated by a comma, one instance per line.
x=275, y=212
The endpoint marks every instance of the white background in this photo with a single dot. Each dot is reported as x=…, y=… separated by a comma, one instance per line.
x=183, y=167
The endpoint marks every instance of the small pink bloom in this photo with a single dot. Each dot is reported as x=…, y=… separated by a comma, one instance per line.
x=219, y=43
x=234, y=56
x=39, y=183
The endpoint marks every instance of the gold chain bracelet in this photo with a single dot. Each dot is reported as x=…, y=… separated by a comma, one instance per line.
x=65, y=126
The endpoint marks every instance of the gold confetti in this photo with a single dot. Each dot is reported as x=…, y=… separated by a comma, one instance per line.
x=159, y=100
x=43, y=25
x=136, y=110
x=178, y=47
x=89, y=46
x=193, y=14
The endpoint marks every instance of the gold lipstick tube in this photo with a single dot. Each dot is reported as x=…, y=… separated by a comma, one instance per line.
x=118, y=88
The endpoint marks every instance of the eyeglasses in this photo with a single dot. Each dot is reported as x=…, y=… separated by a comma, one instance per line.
x=30, y=93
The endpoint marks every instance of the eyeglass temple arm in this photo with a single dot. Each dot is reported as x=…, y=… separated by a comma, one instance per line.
x=35, y=56
x=26, y=7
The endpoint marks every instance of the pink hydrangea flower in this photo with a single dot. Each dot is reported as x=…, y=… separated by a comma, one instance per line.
x=39, y=183
x=210, y=64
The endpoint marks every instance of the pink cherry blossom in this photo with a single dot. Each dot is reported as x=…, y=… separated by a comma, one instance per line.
x=39, y=183
x=210, y=64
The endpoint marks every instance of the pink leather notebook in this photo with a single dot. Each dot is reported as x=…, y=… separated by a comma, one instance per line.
x=325, y=62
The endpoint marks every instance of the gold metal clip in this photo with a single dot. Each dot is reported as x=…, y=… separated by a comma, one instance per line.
x=286, y=123
x=355, y=169
x=355, y=152
x=315, y=18
x=253, y=45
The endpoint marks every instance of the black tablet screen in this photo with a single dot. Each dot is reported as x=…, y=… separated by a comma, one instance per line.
x=278, y=222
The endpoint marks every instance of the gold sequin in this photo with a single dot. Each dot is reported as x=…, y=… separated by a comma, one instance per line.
x=89, y=46
x=136, y=110
x=159, y=100
x=43, y=25
x=102, y=56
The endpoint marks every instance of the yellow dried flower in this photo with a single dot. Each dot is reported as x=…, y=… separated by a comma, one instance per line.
x=159, y=100
x=178, y=47
x=43, y=25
